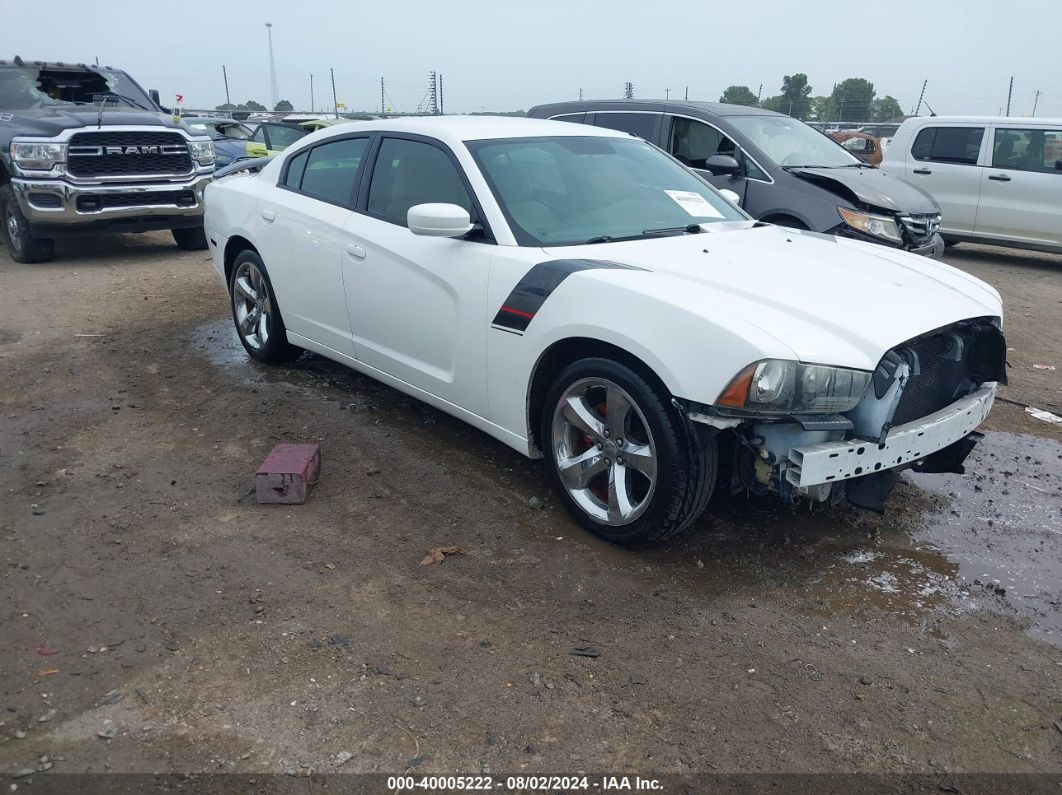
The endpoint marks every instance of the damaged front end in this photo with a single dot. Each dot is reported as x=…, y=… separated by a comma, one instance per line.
x=919, y=409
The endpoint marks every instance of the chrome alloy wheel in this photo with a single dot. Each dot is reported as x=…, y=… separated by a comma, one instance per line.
x=252, y=305
x=14, y=237
x=604, y=451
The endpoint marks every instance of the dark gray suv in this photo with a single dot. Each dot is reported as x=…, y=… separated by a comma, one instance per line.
x=784, y=171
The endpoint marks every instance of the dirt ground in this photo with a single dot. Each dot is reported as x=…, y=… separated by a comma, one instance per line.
x=155, y=619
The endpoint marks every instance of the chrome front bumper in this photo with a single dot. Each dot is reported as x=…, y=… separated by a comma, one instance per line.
x=834, y=461
x=65, y=198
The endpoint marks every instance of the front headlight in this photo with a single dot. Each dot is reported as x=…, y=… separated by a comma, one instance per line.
x=202, y=152
x=876, y=225
x=778, y=386
x=37, y=156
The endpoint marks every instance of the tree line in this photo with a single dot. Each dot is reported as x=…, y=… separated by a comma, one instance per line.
x=244, y=109
x=851, y=100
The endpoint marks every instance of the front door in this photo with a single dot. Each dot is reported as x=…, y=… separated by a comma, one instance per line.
x=1021, y=189
x=943, y=161
x=692, y=142
x=418, y=304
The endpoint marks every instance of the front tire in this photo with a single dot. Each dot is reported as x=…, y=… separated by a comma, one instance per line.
x=256, y=313
x=191, y=239
x=626, y=463
x=23, y=246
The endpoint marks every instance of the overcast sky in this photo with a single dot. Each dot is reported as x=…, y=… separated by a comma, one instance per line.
x=506, y=55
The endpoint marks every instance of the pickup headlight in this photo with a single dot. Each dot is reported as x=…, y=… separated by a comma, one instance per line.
x=37, y=156
x=876, y=225
x=778, y=387
x=202, y=152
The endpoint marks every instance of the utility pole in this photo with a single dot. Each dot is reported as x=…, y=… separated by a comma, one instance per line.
x=921, y=96
x=383, y=102
x=628, y=90
x=442, y=107
x=580, y=95
x=225, y=77
x=272, y=67
x=1010, y=92
x=758, y=93
x=687, y=93
x=1036, y=101
x=667, y=94
x=335, y=102
x=311, y=92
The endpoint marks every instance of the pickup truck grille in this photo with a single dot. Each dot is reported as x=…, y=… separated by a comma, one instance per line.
x=921, y=228
x=115, y=154
x=104, y=201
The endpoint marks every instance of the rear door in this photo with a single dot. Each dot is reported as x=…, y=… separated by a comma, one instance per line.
x=645, y=125
x=944, y=161
x=1021, y=188
x=301, y=224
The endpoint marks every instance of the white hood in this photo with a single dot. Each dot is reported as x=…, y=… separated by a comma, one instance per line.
x=829, y=300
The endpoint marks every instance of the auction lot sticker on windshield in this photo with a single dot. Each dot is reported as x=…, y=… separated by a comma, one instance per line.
x=693, y=203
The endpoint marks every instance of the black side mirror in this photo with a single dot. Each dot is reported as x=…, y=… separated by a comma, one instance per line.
x=154, y=94
x=722, y=164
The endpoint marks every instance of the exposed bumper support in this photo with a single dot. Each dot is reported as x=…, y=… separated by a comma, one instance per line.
x=835, y=461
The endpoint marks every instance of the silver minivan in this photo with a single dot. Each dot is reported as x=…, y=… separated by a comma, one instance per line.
x=998, y=180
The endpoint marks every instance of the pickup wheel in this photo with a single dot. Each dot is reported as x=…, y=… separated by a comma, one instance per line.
x=256, y=313
x=626, y=463
x=23, y=246
x=193, y=239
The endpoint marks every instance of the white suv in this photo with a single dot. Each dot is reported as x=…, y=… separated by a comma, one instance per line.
x=997, y=180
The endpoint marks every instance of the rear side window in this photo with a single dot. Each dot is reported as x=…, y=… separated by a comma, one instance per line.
x=1028, y=150
x=574, y=118
x=293, y=179
x=331, y=170
x=948, y=145
x=644, y=125
x=281, y=137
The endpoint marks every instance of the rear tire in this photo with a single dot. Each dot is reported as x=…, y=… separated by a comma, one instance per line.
x=627, y=464
x=256, y=313
x=22, y=245
x=191, y=239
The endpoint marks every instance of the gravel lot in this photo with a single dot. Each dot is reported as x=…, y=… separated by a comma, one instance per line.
x=155, y=619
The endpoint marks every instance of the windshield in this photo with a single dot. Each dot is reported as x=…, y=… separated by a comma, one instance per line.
x=789, y=142
x=571, y=190
x=32, y=88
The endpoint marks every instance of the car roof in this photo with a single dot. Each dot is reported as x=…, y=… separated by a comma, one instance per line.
x=1039, y=121
x=455, y=129
x=656, y=105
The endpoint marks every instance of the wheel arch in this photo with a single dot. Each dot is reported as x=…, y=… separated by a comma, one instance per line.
x=563, y=352
x=233, y=247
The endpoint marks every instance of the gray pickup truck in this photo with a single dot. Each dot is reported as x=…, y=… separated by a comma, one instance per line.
x=85, y=150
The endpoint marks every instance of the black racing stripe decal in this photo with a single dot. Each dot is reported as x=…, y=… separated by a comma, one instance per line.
x=531, y=292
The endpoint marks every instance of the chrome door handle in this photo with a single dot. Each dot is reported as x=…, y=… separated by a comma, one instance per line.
x=268, y=216
x=356, y=251
x=999, y=177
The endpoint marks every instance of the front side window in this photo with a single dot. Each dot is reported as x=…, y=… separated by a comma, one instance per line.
x=960, y=145
x=561, y=191
x=408, y=173
x=693, y=142
x=330, y=170
x=1028, y=150
x=641, y=124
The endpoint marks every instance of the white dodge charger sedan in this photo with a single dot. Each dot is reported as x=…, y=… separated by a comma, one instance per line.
x=579, y=295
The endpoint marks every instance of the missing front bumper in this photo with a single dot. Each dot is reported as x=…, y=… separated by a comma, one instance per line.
x=916, y=441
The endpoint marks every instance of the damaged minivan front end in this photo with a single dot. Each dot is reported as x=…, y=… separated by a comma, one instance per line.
x=816, y=433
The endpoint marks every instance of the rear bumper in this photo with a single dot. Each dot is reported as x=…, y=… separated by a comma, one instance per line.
x=56, y=208
x=831, y=462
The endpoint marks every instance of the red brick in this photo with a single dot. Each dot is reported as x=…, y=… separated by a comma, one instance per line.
x=288, y=473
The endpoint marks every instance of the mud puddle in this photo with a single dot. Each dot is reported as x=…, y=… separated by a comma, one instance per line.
x=989, y=540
